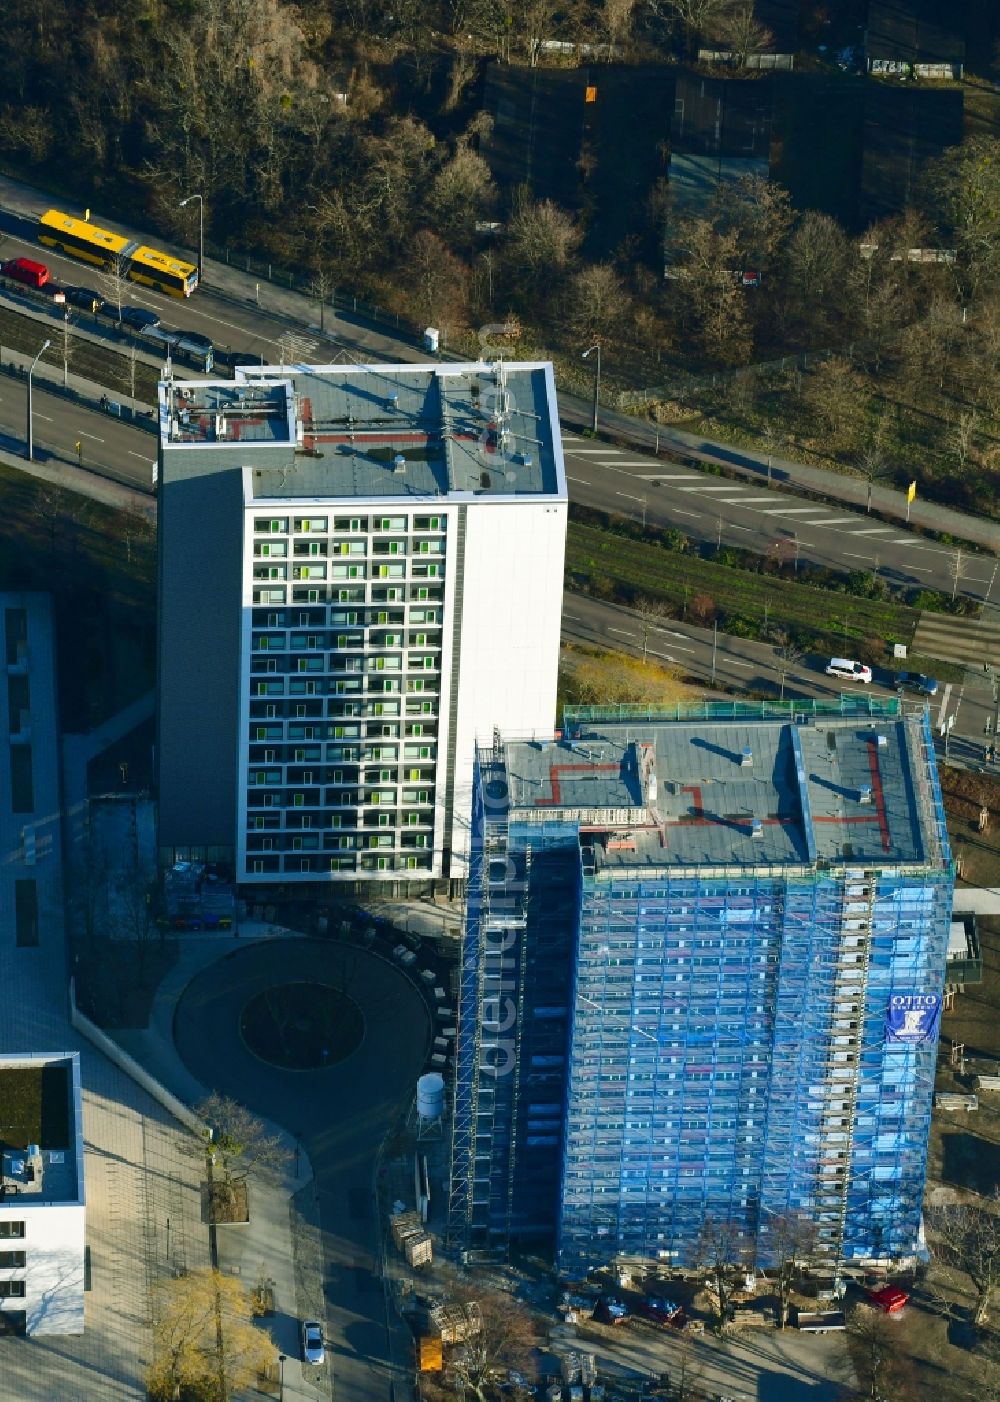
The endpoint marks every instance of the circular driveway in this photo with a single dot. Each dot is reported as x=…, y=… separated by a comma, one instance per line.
x=339, y=1112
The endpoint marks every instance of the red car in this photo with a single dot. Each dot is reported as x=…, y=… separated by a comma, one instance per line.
x=890, y=1299
x=26, y=270
x=660, y=1311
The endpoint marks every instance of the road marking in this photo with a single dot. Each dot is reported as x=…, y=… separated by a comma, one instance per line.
x=873, y=530
x=850, y=556
x=572, y=617
x=678, y=648
x=582, y=480
x=144, y=456
x=742, y=501
x=827, y=521
x=706, y=487
x=624, y=462
x=629, y=496
x=37, y=415
x=687, y=513
x=750, y=500
x=732, y=526
x=624, y=632
x=589, y=452
x=670, y=476
x=789, y=511
x=665, y=655
x=921, y=569
x=735, y=662
x=944, y=704
x=92, y=436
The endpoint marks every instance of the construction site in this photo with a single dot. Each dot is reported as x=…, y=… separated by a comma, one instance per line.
x=702, y=979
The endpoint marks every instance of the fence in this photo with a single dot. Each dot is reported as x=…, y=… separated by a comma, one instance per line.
x=131, y=1067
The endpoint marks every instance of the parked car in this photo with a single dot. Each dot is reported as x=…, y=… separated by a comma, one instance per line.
x=890, y=1299
x=312, y=1342
x=138, y=318
x=848, y=670
x=25, y=270
x=660, y=1311
x=83, y=297
x=916, y=681
x=195, y=338
x=608, y=1310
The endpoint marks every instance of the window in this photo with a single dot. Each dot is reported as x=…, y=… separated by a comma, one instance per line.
x=11, y=1229
x=11, y=1259
x=11, y=1289
x=26, y=913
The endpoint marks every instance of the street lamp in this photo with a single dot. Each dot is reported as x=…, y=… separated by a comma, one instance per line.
x=281, y=1376
x=597, y=381
x=201, y=231
x=31, y=371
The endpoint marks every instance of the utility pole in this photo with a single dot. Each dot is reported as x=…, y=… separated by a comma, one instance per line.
x=31, y=371
x=201, y=232
x=956, y=572
x=597, y=381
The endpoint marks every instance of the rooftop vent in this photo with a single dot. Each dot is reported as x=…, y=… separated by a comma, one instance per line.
x=399, y=463
x=865, y=796
x=392, y=400
x=746, y=760
x=757, y=828
x=881, y=741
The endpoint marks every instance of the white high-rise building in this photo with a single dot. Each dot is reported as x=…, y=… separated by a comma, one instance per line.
x=361, y=572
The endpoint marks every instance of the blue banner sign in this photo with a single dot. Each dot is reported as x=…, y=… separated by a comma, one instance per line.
x=913, y=1017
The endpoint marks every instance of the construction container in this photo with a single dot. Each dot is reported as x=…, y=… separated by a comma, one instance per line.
x=456, y=1323
x=402, y=1224
x=418, y=1249
x=430, y=1355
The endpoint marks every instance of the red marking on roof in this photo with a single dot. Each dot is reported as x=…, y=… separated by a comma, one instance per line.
x=877, y=793
x=308, y=439
x=556, y=769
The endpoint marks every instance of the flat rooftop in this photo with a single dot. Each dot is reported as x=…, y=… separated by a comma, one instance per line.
x=355, y=431
x=38, y=1130
x=737, y=792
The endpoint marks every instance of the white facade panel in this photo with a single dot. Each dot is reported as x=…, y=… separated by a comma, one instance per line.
x=511, y=621
x=53, y=1246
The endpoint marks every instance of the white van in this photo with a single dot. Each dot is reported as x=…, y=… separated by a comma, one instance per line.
x=848, y=671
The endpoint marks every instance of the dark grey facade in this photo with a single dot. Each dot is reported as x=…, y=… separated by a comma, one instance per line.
x=200, y=585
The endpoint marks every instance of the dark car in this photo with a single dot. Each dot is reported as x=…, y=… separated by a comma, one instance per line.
x=195, y=338
x=611, y=1311
x=231, y=358
x=138, y=318
x=83, y=297
x=660, y=1311
x=916, y=681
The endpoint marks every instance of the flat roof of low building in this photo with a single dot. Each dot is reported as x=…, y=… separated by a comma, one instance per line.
x=362, y=431
x=40, y=1130
x=738, y=792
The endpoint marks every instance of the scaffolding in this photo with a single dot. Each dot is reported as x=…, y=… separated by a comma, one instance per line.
x=646, y=1047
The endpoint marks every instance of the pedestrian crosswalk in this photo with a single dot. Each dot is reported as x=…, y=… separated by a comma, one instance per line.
x=970, y=641
x=695, y=483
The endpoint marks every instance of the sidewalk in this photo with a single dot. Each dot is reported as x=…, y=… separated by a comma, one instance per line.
x=281, y=1243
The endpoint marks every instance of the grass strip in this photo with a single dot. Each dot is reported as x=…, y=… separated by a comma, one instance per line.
x=742, y=600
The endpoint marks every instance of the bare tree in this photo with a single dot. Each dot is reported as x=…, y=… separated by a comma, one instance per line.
x=112, y=281
x=239, y=1142
x=880, y=1365
x=651, y=613
x=507, y=1339
x=597, y=301
x=968, y=1238
x=439, y=283
x=722, y=1251
x=738, y=30
x=788, y=1239
x=322, y=286
x=963, y=436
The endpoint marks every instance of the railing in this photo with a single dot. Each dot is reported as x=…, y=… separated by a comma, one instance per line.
x=852, y=705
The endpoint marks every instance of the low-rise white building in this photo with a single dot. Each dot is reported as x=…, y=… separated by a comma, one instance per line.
x=42, y=1206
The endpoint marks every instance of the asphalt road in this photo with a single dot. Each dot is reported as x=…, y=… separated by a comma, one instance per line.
x=109, y=446
x=706, y=507
x=339, y=1113
x=741, y=665
x=767, y=520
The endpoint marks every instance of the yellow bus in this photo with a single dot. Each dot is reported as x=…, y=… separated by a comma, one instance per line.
x=92, y=244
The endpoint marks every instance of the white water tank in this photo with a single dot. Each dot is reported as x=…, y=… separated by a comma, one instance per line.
x=430, y=1096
